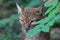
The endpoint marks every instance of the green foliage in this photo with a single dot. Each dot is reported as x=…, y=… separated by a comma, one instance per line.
x=48, y=4
x=7, y=24
x=52, y=7
x=47, y=22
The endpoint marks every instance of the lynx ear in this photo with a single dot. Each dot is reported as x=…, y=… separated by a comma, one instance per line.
x=19, y=8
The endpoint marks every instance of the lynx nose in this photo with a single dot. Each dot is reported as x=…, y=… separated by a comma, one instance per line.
x=26, y=27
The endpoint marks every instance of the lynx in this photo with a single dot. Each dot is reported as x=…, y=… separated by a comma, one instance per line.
x=29, y=15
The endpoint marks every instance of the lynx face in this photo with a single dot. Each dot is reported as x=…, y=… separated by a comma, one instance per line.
x=27, y=16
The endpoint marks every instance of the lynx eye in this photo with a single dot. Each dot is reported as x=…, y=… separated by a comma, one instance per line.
x=32, y=21
x=21, y=20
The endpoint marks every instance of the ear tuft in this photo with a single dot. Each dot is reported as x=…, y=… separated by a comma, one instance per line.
x=19, y=8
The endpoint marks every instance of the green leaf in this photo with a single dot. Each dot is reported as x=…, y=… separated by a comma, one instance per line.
x=57, y=18
x=46, y=28
x=51, y=8
x=54, y=11
x=48, y=4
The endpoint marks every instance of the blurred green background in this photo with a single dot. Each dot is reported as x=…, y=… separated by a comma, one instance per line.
x=10, y=28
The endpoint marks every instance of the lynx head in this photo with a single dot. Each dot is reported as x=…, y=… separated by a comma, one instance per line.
x=27, y=16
